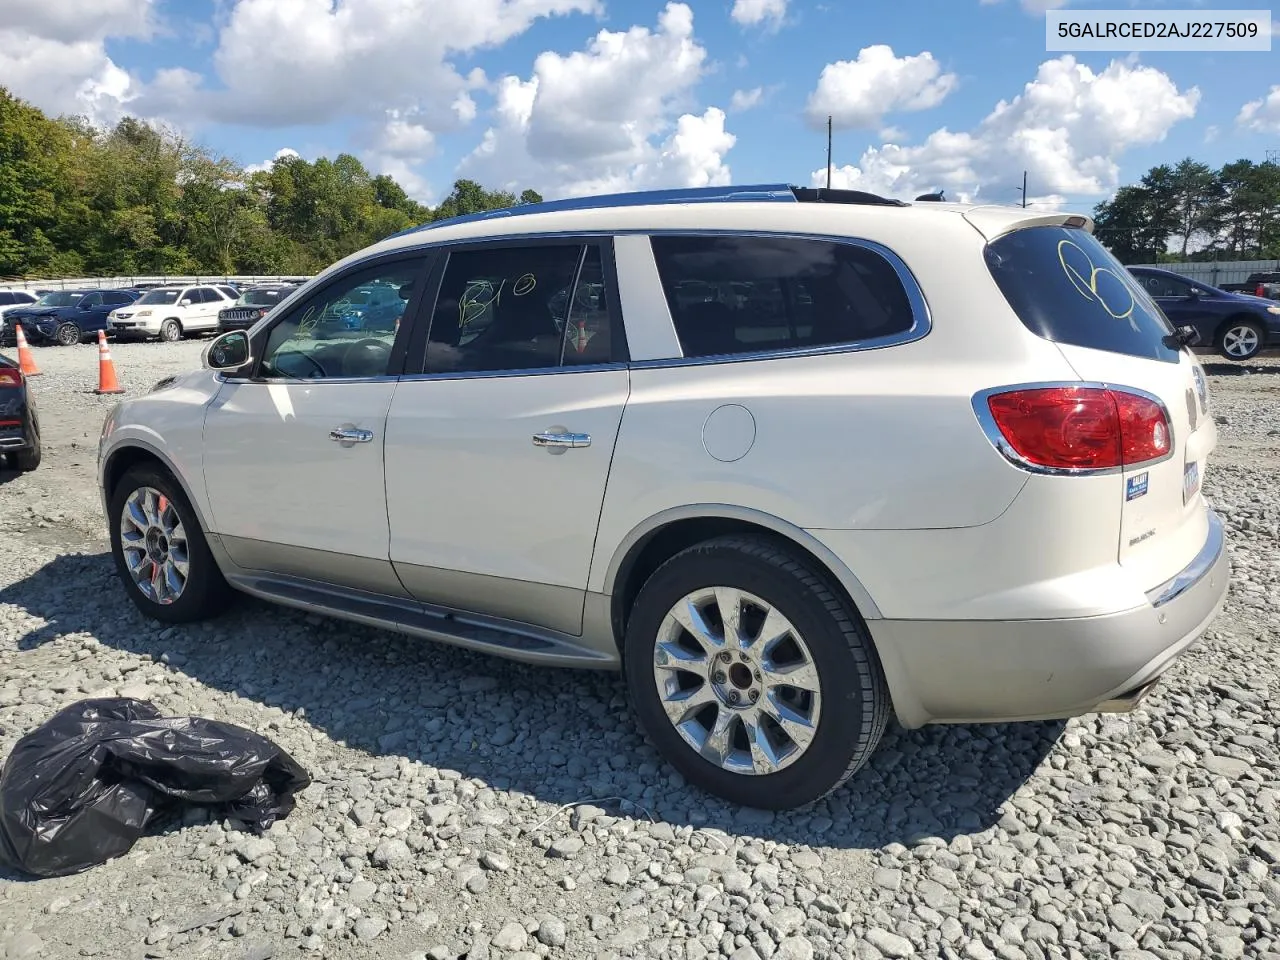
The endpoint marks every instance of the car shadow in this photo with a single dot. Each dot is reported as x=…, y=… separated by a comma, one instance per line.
x=562, y=736
x=1227, y=368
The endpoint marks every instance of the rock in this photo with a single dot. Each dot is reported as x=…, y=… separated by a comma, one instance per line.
x=23, y=945
x=254, y=848
x=392, y=852
x=889, y=944
x=617, y=875
x=1228, y=767
x=566, y=848
x=370, y=928
x=794, y=948
x=495, y=862
x=551, y=931
x=511, y=937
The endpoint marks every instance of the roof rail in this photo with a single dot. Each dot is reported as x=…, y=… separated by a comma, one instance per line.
x=755, y=193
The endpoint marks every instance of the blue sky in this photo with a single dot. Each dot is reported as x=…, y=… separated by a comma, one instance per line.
x=574, y=96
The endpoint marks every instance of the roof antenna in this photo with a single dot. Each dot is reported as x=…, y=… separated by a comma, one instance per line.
x=934, y=197
x=828, y=151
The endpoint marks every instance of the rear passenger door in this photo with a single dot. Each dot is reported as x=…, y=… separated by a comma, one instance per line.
x=498, y=447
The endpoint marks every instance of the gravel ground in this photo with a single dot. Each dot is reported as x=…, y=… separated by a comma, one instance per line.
x=463, y=806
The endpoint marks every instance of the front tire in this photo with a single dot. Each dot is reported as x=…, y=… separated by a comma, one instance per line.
x=171, y=331
x=1241, y=339
x=774, y=713
x=68, y=335
x=160, y=551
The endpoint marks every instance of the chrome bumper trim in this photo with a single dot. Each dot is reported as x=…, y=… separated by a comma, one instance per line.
x=1192, y=573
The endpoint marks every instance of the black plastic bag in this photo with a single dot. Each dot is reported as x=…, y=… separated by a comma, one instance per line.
x=82, y=788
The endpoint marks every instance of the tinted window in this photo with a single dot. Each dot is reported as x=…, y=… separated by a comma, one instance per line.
x=60, y=299
x=92, y=300
x=7, y=299
x=334, y=335
x=745, y=294
x=1065, y=287
x=1158, y=285
x=117, y=298
x=159, y=296
x=516, y=308
x=261, y=298
x=21, y=297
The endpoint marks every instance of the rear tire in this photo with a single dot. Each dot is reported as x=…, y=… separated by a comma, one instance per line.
x=29, y=459
x=829, y=727
x=68, y=335
x=171, y=331
x=165, y=528
x=1241, y=339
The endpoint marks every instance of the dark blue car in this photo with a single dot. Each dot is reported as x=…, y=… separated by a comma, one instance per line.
x=1239, y=325
x=67, y=316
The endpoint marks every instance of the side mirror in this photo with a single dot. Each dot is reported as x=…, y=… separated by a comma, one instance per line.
x=228, y=352
x=184, y=303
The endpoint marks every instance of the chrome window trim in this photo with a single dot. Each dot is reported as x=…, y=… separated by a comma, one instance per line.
x=1197, y=569
x=989, y=427
x=922, y=318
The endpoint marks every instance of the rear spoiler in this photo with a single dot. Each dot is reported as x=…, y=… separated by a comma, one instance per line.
x=995, y=221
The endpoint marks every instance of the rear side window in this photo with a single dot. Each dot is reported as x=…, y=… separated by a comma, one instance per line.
x=1066, y=287
x=732, y=295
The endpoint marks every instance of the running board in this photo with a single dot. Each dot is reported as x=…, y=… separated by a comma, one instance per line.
x=502, y=638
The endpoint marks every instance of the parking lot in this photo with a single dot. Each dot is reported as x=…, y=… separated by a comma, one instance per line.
x=463, y=806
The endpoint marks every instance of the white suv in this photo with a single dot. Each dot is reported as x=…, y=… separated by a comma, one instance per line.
x=171, y=312
x=790, y=459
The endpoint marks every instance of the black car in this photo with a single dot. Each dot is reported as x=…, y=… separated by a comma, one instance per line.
x=1238, y=325
x=252, y=305
x=67, y=316
x=19, y=426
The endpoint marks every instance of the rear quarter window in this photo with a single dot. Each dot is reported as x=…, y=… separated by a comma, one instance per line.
x=1066, y=287
x=748, y=294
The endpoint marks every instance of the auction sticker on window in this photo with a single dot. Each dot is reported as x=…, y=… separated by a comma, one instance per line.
x=1172, y=30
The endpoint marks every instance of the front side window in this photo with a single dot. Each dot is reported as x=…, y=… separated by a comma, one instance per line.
x=116, y=299
x=730, y=295
x=341, y=331
x=92, y=300
x=521, y=308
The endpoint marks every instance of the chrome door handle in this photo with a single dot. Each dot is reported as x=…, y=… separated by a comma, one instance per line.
x=562, y=440
x=350, y=435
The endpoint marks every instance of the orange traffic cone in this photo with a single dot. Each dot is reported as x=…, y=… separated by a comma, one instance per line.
x=107, y=382
x=26, y=361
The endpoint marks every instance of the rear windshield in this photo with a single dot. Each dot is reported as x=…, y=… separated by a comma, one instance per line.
x=261, y=298
x=1066, y=287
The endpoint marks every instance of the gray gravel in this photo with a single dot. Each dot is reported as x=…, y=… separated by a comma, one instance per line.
x=463, y=806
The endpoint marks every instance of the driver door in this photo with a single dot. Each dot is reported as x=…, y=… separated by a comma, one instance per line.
x=293, y=456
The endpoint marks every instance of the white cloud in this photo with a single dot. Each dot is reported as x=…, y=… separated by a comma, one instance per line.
x=858, y=93
x=614, y=116
x=358, y=58
x=61, y=77
x=751, y=13
x=746, y=99
x=267, y=164
x=1067, y=128
x=1261, y=115
x=892, y=134
x=72, y=21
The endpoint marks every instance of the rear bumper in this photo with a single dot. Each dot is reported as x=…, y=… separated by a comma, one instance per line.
x=988, y=671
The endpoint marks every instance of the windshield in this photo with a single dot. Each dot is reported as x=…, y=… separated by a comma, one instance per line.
x=261, y=298
x=160, y=296
x=59, y=299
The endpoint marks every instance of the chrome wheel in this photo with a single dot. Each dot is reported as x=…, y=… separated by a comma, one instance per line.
x=737, y=681
x=154, y=544
x=1241, y=342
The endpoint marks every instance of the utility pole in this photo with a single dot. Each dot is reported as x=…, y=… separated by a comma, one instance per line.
x=828, y=151
x=1273, y=156
x=1024, y=188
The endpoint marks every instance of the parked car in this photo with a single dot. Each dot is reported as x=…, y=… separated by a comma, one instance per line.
x=68, y=317
x=252, y=305
x=762, y=502
x=1240, y=326
x=1265, y=285
x=19, y=424
x=170, y=312
x=369, y=310
x=15, y=298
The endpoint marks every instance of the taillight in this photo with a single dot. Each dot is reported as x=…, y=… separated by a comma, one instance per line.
x=1081, y=428
x=1261, y=291
x=10, y=377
